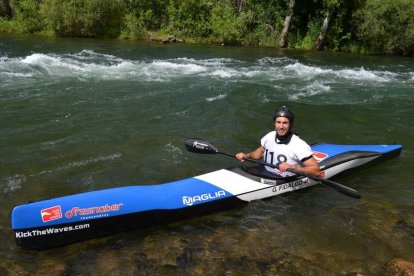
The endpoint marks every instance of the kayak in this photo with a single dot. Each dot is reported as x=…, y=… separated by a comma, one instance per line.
x=78, y=217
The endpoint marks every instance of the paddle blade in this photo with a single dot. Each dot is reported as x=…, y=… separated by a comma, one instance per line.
x=200, y=146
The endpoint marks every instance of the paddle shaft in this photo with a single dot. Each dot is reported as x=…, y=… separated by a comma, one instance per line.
x=335, y=185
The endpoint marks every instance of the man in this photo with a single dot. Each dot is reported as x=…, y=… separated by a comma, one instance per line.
x=285, y=148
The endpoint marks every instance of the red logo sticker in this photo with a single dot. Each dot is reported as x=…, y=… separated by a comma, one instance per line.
x=319, y=155
x=51, y=213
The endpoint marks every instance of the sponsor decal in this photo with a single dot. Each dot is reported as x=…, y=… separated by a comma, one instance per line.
x=268, y=181
x=199, y=145
x=190, y=200
x=52, y=213
x=49, y=231
x=319, y=156
x=93, y=212
x=291, y=185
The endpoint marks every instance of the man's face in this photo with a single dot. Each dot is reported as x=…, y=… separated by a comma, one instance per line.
x=282, y=125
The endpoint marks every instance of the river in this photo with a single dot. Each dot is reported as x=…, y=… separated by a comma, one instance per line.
x=82, y=114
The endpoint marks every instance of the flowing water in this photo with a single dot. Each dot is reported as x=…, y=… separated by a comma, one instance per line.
x=81, y=115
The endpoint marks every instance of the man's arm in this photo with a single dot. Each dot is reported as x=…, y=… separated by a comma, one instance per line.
x=256, y=154
x=310, y=167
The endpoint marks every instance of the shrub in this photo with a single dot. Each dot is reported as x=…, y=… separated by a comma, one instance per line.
x=86, y=18
x=387, y=26
x=132, y=28
x=26, y=16
x=225, y=24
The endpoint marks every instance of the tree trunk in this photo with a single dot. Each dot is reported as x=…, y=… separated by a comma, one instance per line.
x=5, y=9
x=321, y=38
x=282, y=41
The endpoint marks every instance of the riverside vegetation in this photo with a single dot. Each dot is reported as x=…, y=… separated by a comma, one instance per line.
x=358, y=26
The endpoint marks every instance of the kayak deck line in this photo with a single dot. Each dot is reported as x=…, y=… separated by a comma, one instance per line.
x=73, y=218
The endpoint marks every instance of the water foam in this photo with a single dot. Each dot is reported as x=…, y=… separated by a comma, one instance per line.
x=174, y=153
x=170, y=67
x=224, y=73
x=303, y=70
x=362, y=74
x=14, y=183
x=219, y=97
x=280, y=61
x=17, y=75
x=90, y=161
x=88, y=64
x=313, y=89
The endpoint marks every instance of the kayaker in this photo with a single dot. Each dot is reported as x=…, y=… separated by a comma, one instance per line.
x=285, y=148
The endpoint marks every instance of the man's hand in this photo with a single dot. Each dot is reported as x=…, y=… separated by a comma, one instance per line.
x=284, y=166
x=241, y=156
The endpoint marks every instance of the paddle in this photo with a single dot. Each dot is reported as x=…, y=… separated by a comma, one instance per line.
x=201, y=146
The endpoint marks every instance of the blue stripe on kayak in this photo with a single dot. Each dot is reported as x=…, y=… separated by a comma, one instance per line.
x=333, y=149
x=116, y=201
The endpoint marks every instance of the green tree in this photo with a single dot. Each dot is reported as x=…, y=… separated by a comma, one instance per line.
x=5, y=9
x=261, y=22
x=387, y=26
x=85, y=18
x=286, y=25
x=151, y=14
x=226, y=25
x=190, y=18
x=330, y=7
x=370, y=26
x=26, y=16
x=133, y=28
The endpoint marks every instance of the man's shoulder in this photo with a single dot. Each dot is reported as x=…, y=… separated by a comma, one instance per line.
x=268, y=138
x=271, y=134
x=297, y=140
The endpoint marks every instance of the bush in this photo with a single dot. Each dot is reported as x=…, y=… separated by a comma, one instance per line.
x=189, y=18
x=225, y=24
x=5, y=9
x=387, y=26
x=132, y=28
x=5, y=25
x=308, y=42
x=87, y=18
x=26, y=16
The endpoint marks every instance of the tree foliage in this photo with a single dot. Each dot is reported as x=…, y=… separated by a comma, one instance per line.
x=26, y=16
x=371, y=26
x=85, y=18
x=189, y=18
x=387, y=26
x=5, y=9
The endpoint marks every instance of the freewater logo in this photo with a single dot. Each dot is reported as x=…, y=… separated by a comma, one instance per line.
x=55, y=212
x=93, y=212
x=52, y=213
x=191, y=200
x=319, y=156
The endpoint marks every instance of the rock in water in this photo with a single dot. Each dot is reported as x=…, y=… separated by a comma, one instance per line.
x=400, y=267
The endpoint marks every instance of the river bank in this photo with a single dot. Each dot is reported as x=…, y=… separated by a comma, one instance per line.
x=368, y=27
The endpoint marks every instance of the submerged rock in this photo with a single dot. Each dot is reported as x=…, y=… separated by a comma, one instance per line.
x=8, y=267
x=400, y=267
x=167, y=252
x=405, y=226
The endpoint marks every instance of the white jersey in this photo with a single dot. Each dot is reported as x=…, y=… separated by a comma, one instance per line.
x=291, y=153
